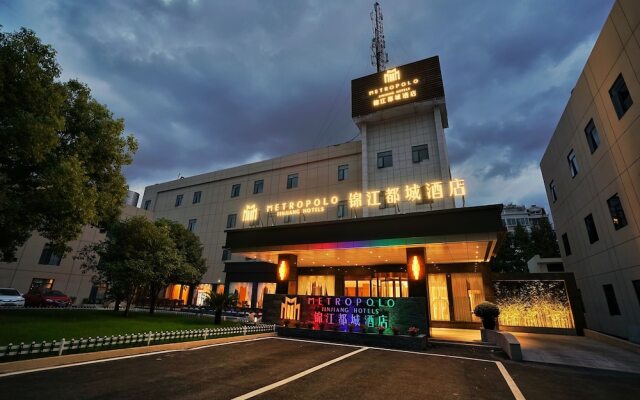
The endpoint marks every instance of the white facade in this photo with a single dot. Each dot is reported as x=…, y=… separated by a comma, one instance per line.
x=512, y=215
x=593, y=179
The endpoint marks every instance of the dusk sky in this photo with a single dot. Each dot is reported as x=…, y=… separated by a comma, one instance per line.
x=205, y=85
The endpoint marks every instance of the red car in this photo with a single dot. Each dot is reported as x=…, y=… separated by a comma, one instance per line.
x=46, y=298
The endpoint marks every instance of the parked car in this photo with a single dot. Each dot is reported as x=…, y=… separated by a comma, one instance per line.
x=10, y=297
x=46, y=298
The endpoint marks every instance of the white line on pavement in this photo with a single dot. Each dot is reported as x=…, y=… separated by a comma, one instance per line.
x=28, y=371
x=512, y=384
x=297, y=376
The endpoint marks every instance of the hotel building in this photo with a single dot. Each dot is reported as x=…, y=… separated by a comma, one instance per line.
x=591, y=169
x=373, y=218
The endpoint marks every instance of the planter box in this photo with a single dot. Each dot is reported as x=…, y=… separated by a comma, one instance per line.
x=403, y=342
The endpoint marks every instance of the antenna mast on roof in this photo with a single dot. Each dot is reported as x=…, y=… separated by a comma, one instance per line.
x=379, y=56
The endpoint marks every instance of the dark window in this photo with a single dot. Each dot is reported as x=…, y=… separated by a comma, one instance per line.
x=591, y=228
x=385, y=159
x=192, y=225
x=612, y=302
x=258, y=186
x=636, y=286
x=573, y=163
x=49, y=257
x=235, y=190
x=565, y=243
x=342, y=209
x=231, y=220
x=147, y=204
x=616, y=211
x=620, y=96
x=196, y=197
x=226, y=255
x=419, y=153
x=343, y=172
x=292, y=181
x=593, y=138
x=179, y=200
x=552, y=190
x=555, y=267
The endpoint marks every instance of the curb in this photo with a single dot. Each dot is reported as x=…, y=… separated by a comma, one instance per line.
x=56, y=361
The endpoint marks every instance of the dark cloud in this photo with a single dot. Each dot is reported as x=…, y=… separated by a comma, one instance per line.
x=207, y=85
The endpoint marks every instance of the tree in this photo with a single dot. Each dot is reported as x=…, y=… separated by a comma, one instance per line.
x=544, y=239
x=513, y=254
x=219, y=302
x=62, y=152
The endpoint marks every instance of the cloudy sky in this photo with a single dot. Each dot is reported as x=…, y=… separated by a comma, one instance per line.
x=206, y=85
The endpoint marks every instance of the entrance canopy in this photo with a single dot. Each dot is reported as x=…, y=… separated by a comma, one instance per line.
x=456, y=235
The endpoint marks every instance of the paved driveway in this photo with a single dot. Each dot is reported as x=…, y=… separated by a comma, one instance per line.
x=278, y=368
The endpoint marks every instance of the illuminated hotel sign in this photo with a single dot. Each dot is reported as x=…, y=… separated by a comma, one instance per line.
x=418, y=81
x=427, y=193
x=372, y=312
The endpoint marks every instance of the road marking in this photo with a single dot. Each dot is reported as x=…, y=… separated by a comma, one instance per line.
x=512, y=384
x=2, y=375
x=384, y=349
x=297, y=376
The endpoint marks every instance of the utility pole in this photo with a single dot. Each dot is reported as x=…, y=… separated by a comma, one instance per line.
x=379, y=57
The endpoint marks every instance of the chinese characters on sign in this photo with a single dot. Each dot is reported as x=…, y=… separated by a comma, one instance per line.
x=426, y=192
x=393, y=90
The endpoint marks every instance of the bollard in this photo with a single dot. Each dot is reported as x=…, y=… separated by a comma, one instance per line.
x=244, y=330
x=61, y=347
x=149, y=339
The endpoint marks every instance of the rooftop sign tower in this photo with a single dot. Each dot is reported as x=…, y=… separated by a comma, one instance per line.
x=379, y=56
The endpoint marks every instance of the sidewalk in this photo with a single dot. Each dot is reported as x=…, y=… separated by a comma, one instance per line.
x=579, y=351
x=55, y=361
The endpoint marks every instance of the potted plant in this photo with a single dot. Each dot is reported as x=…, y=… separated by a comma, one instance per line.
x=395, y=330
x=380, y=329
x=363, y=328
x=487, y=312
x=413, y=331
x=309, y=324
x=286, y=322
x=298, y=324
x=321, y=326
x=351, y=327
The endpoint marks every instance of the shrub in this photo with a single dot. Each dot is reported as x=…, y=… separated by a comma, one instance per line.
x=363, y=328
x=286, y=322
x=413, y=331
x=487, y=310
x=351, y=327
x=310, y=324
x=321, y=326
x=298, y=324
x=395, y=330
x=380, y=329
x=335, y=327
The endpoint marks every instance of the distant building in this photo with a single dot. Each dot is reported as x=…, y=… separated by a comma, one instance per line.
x=591, y=170
x=512, y=215
x=538, y=264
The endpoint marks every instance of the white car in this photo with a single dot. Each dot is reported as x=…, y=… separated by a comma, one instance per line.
x=11, y=298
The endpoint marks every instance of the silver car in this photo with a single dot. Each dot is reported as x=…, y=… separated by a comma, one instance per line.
x=11, y=298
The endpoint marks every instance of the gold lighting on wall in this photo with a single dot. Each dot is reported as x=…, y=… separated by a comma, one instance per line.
x=415, y=268
x=283, y=270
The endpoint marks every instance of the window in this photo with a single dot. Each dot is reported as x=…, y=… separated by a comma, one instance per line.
x=636, y=286
x=44, y=283
x=573, y=163
x=343, y=172
x=147, y=204
x=620, y=96
x=591, y=228
x=231, y=220
x=419, y=153
x=616, y=211
x=196, y=197
x=235, y=190
x=192, y=225
x=342, y=209
x=385, y=159
x=226, y=254
x=552, y=190
x=317, y=285
x=179, y=200
x=565, y=243
x=592, y=136
x=292, y=181
x=258, y=186
x=48, y=257
x=612, y=302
